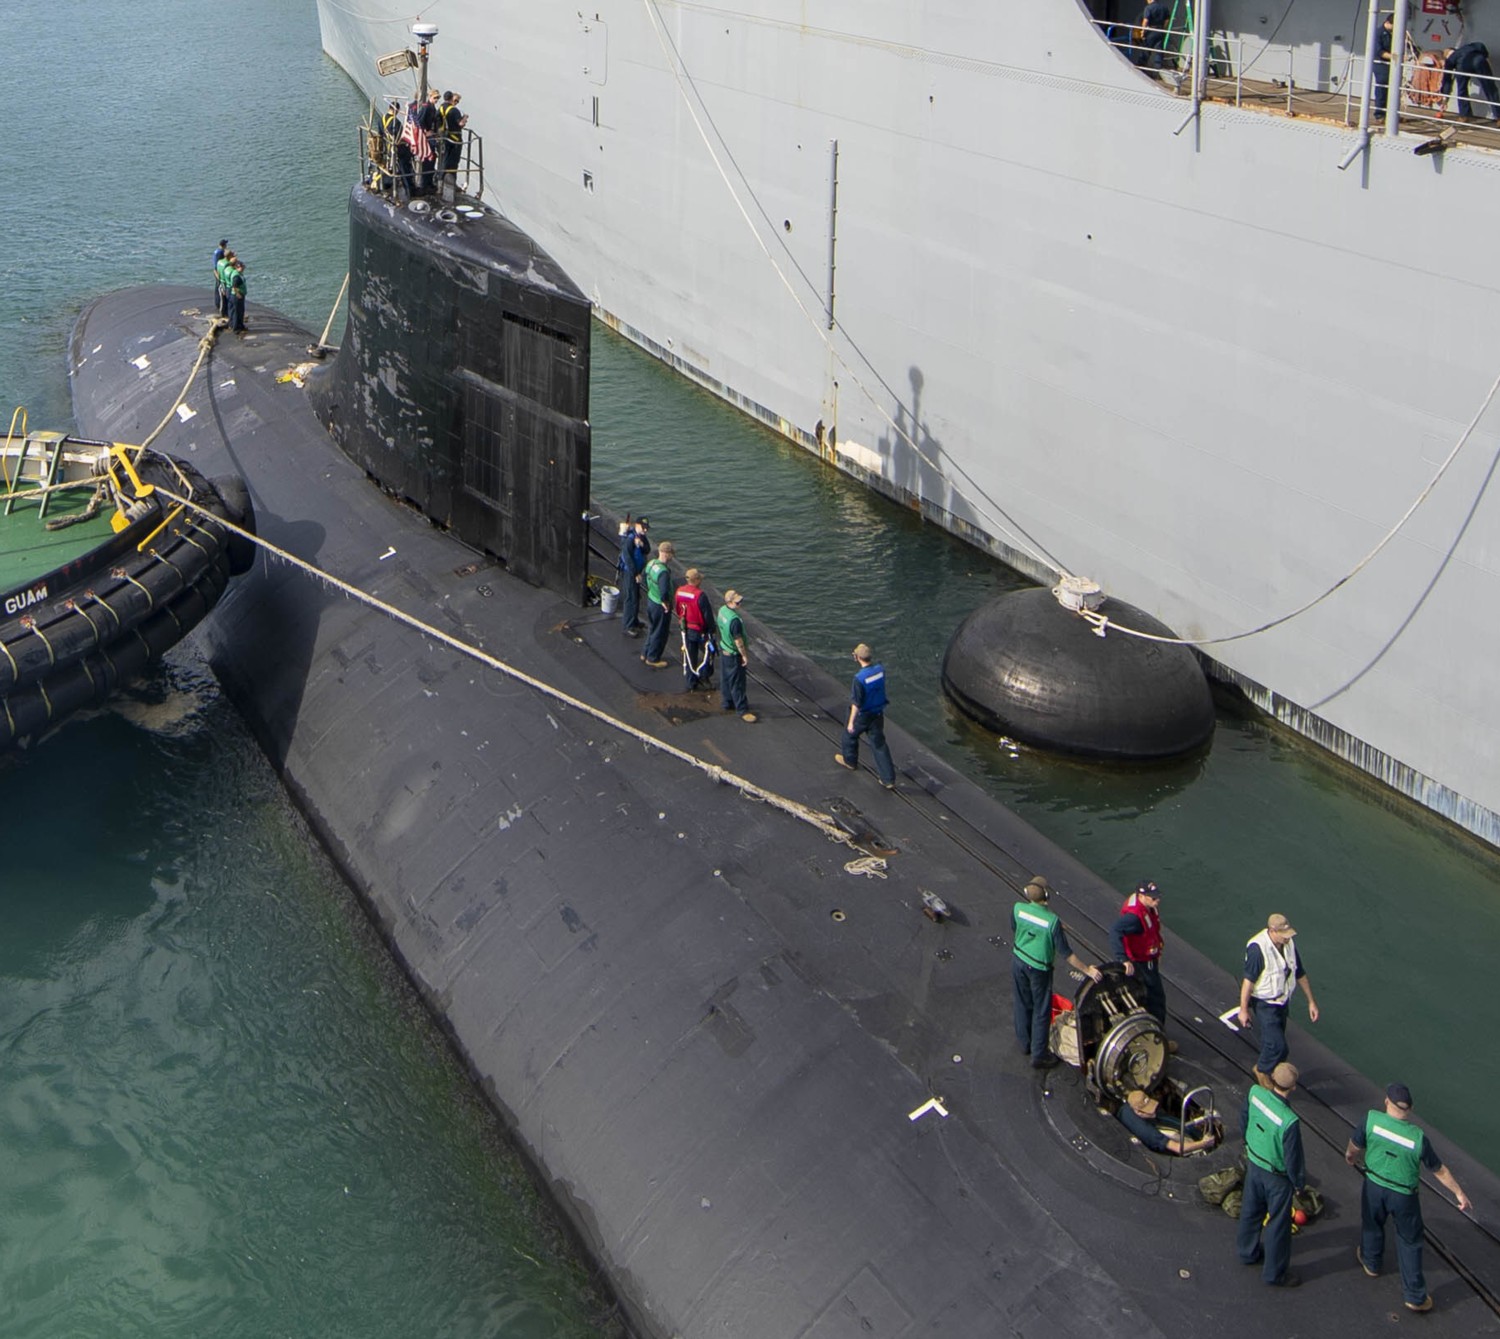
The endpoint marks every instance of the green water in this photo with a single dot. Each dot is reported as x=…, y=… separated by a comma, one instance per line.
x=218, y=1114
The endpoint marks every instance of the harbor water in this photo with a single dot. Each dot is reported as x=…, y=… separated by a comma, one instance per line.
x=220, y=1111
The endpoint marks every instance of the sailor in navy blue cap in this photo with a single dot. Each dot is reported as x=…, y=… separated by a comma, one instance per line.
x=1394, y=1151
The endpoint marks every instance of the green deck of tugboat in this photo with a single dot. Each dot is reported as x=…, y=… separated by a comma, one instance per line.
x=28, y=549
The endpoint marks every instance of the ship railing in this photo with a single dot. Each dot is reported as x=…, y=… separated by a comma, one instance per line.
x=1424, y=108
x=1250, y=73
x=380, y=168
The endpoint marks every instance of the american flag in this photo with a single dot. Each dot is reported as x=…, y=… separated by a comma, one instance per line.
x=414, y=137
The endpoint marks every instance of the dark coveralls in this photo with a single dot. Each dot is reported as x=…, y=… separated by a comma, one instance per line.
x=658, y=612
x=696, y=615
x=1147, y=970
x=1378, y=1201
x=731, y=667
x=405, y=168
x=1469, y=69
x=237, y=300
x=453, y=137
x=1158, y=16
x=1269, y=1018
x=1039, y=938
x=632, y=564
x=868, y=696
x=1142, y=1129
x=1274, y=1170
x=430, y=121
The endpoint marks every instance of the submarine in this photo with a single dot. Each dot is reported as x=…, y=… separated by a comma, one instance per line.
x=689, y=962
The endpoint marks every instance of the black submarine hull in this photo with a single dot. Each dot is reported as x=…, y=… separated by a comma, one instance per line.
x=724, y=1085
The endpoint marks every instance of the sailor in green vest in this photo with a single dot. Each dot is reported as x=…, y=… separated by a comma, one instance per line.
x=1274, y=1171
x=657, y=579
x=733, y=657
x=1037, y=937
x=1394, y=1152
x=224, y=268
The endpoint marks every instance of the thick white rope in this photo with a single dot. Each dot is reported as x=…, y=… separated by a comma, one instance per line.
x=722, y=775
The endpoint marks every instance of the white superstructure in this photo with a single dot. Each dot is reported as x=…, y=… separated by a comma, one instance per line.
x=972, y=254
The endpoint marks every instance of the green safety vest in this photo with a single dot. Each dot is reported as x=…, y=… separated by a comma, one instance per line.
x=729, y=623
x=658, y=581
x=1393, y=1153
x=1270, y=1118
x=224, y=272
x=1036, y=934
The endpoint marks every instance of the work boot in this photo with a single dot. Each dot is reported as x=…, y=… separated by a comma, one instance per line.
x=1047, y=1060
x=1291, y=1280
x=1360, y=1256
x=749, y=716
x=839, y=758
x=1424, y=1305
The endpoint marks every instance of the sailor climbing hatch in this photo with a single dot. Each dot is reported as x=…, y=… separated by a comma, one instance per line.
x=1038, y=937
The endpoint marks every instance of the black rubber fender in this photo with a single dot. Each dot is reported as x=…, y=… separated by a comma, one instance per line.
x=102, y=605
x=234, y=492
x=1024, y=666
x=33, y=709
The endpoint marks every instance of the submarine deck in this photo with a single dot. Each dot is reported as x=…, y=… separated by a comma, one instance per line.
x=714, y=1075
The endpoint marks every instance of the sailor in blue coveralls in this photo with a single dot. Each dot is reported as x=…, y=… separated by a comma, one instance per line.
x=634, y=546
x=1274, y=1171
x=1394, y=1152
x=1467, y=71
x=867, y=702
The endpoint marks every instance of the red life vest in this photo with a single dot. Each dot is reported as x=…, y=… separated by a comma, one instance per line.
x=687, y=605
x=1147, y=945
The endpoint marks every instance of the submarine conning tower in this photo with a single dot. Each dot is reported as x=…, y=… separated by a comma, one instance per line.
x=462, y=384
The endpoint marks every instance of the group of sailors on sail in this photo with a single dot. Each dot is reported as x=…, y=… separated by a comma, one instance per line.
x=417, y=150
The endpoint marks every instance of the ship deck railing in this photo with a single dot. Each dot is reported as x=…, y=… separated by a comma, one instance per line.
x=379, y=171
x=1260, y=76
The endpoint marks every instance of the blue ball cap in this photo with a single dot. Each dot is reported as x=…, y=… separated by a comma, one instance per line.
x=1400, y=1094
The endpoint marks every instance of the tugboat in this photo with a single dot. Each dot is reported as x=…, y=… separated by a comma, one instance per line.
x=102, y=569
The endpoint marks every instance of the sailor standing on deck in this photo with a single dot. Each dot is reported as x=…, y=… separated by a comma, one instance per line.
x=867, y=703
x=1135, y=939
x=453, y=123
x=1394, y=1152
x=1273, y=970
x=1275, y=1171
x=219, y=253
x=237, y=297
x=657, y=580
x=634, y=546
x=1038, y=937
x=696, y=615
x=733, y=656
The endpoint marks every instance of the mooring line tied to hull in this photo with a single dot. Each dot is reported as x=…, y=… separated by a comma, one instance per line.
x=715, y=772
x=722, y=775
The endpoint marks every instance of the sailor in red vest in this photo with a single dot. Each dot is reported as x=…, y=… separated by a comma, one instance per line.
x=695, y=615
x=1135, y=940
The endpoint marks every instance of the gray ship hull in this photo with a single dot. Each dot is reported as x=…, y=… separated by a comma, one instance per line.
x=964, y=256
